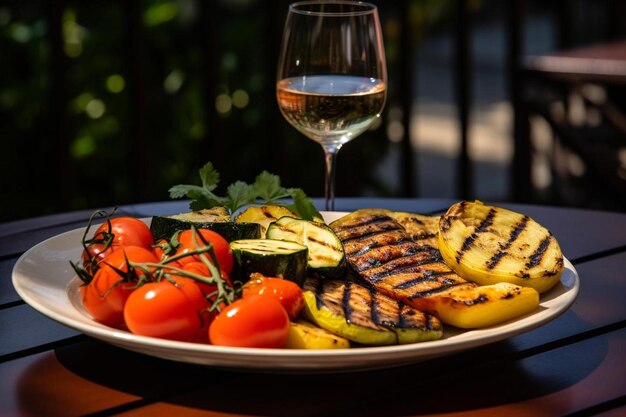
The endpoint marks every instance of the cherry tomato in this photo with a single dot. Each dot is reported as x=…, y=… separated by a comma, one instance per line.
x=199, y=268
x=221, y=248
x=125, y=231
x=167, y=310
x=254, y=321
x=288, y=293
x=161, y=249
x=104, y=297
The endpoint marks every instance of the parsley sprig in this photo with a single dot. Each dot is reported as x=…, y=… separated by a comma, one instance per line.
x=266, y=189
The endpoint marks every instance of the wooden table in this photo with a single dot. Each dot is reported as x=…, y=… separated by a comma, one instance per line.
x=574, y=365
x=603, y=63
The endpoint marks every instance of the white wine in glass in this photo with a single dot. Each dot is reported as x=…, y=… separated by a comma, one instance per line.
x=332, y=77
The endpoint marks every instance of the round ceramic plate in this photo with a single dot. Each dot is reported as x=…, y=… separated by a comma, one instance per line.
x=45, y=280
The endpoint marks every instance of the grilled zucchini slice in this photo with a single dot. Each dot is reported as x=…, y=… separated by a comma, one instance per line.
x=487, y=244
x=305, y=335
x=365, y=316
x=326, y=255
x=216, y=219
x=272, y=258
x=263, y=215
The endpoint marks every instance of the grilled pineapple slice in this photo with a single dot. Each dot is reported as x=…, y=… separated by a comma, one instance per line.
x=304, y=335
x=263, y=215
x=488, y=244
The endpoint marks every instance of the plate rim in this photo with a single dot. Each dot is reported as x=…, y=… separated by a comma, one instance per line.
x=292, y=359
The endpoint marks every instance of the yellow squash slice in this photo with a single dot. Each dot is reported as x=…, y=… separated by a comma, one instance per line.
x=487, y=245
x=305, y=335
x=263, y=215
x=482, y=306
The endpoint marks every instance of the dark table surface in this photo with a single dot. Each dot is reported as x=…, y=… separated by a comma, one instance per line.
x=573, y=365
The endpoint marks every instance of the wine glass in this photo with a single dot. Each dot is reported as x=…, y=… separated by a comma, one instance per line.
x=332, y=76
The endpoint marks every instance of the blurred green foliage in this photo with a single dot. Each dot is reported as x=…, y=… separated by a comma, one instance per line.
x=145, y=102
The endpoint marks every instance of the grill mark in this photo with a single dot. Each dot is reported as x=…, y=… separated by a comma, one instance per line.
x=412, y=267
x=432, y=322
x=345, y=301
x=536, y=257
x=378, y=244
x=326, y=245
x=371, y=225
x=353, y=236
x=363, y=263
x=417, y=238
x=427, y=276
x=403, y=314
x=514, y=235
x=422, y=294
x=374, y=306
x=482, y=227
x=319, y=292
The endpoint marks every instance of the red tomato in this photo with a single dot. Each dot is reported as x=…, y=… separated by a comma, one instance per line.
x=254, y=321
x=199, y=268
x=288, y=293
x=160, y=248
x=209, y=290
x=221, y=248
x=166, y=310
x=125, y=231
x=104, y=297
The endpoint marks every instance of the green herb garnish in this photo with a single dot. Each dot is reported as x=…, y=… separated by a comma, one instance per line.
x=266, y=189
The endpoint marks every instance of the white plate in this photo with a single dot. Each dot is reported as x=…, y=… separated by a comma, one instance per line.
x=45, y=280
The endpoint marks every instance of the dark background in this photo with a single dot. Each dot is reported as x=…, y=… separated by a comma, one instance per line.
x=113, y=102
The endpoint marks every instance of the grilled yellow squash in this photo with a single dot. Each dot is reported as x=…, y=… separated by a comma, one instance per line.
x=305, y=335
x=482, y=306
x=487, y=245
x=263, y=215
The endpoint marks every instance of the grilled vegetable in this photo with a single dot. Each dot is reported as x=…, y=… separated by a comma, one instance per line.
x=216, y=219
x=487, y=244
x=326, y=255
x=422, y=229
x=365, y=316
x=274, y=258
x=383, y=254
x=482, y=306
x=263, y=215
x=304, y=335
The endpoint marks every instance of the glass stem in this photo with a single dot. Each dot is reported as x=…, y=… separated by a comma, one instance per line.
x=330, y=154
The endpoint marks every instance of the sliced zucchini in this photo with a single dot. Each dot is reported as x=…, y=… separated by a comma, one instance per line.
x=272, y=258
x=216, y=219
x=263, y=215
x=305, y=335
x=326, y=254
